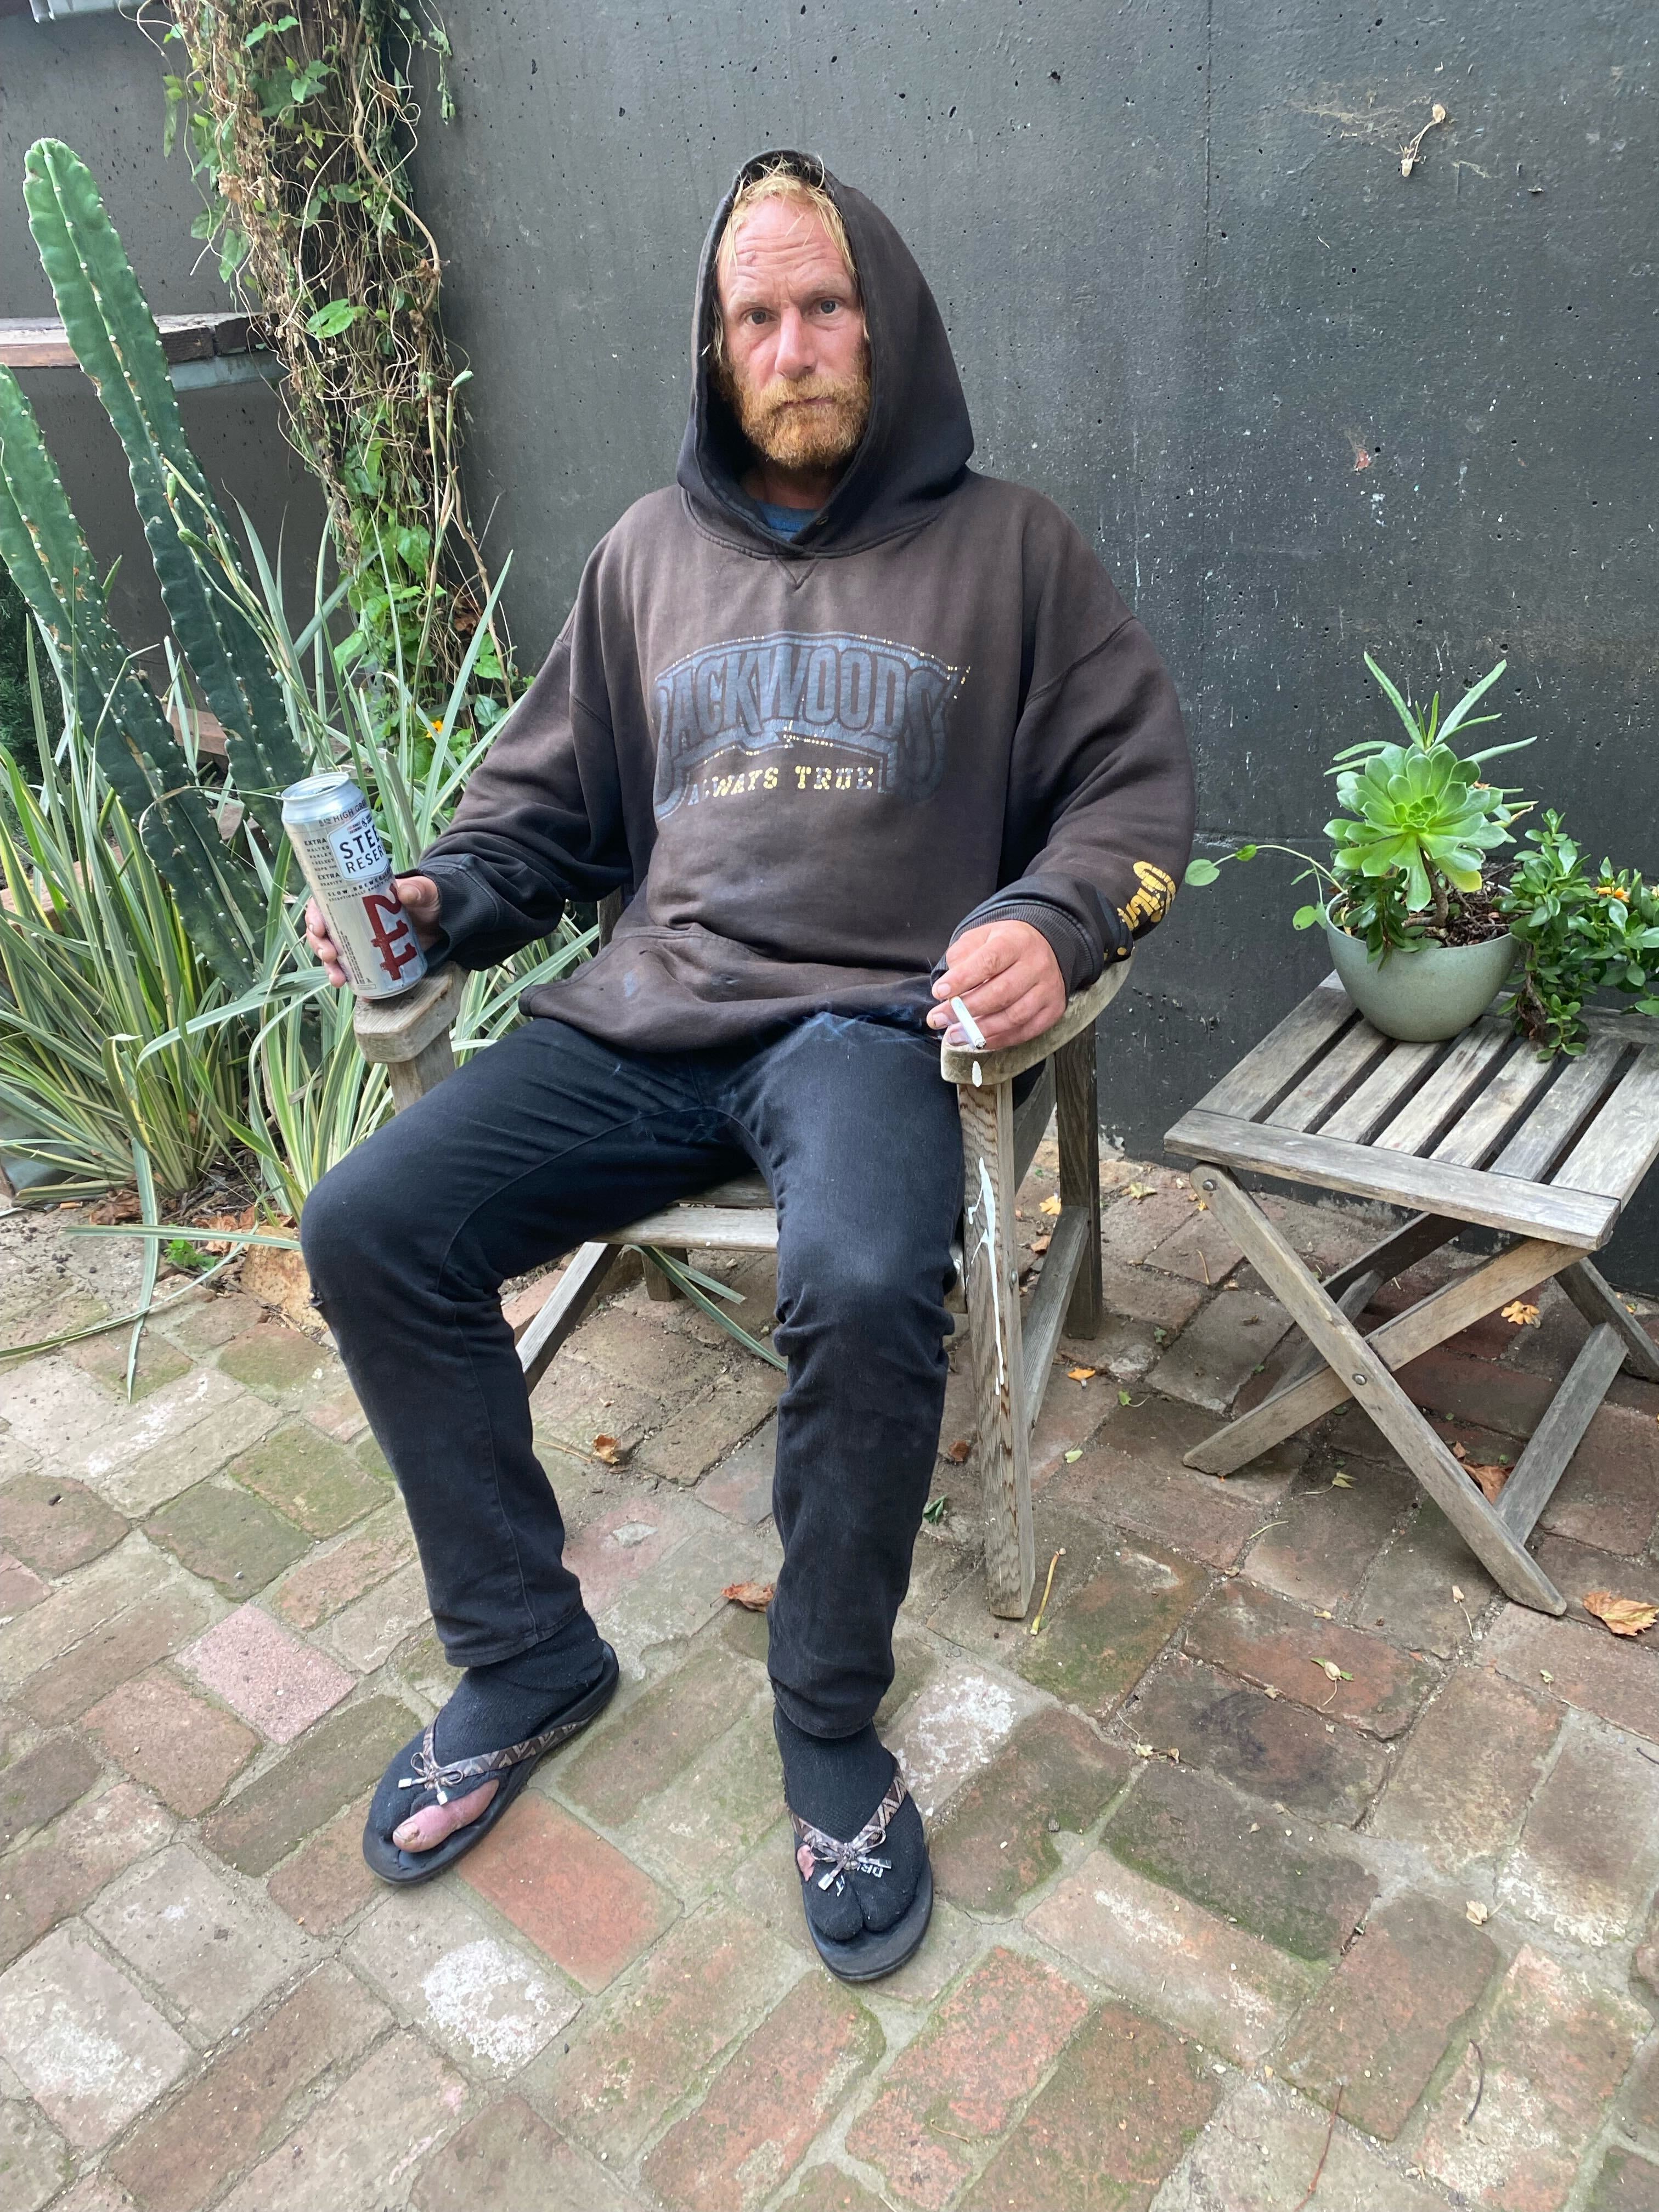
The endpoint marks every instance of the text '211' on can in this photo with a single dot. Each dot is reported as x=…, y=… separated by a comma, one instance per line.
x=330, y=827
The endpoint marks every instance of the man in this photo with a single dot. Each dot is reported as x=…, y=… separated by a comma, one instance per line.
x=859, y=731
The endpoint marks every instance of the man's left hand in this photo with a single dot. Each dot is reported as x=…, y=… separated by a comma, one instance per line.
x=1006, y=976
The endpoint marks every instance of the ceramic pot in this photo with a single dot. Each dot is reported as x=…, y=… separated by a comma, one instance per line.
x=1424, y=995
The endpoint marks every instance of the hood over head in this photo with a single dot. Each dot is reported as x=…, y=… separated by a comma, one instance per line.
x=916, y=444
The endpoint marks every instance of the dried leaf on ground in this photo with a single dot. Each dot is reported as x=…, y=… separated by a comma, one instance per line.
x=1522, y=1315
x=612, y=1453
x=1491, y=1476
x=1073, y=1456
x=120, y=1206
x=1341, y=1481
x=753, y=1597
x=1139, y=1189
x=1624, y=1616
x=1050, y=1205
x=1477, y=1913
x=1335, y=1674
x=1082, y=1374
x=934, y=1511
x=231, y=1223
x=1039, y=1245
x=959, y=1451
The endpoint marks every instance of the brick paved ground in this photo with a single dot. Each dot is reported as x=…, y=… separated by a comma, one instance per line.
x=1396, y=1928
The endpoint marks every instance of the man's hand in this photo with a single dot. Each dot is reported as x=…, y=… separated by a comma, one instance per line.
x=1006, y=976
x=420, y=897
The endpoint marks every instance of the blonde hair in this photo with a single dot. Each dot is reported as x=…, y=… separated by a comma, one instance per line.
x=783, y=177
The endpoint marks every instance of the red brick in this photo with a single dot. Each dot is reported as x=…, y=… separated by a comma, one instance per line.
x=1112, y=1610
x=1552, y=2050
x=1506, y=1399
x=693, y=1440
x=657, y=1737
x=609, y=1555
x=1577, y=1569
x=277, y=1361
x=1199, y=1249
x=326, y=1879
x=56, y=1524
x=573, y=1895
x=214, y=1318
x=1328, y=1536
x=1191, y=1513
x=20, y=1587
x=324, y=1584
x=635, y=2054
x=219, y=1532
x=1266, y=1745
x=960, y=2084
x=1627, y=2182
x=1409, y=1595
x=1222, y=1984
x=1463, y=1782
x=231, y=2113
x=1230, y=1855
x=1583, y=1666
x=309, y=1479
x=327, y=1767
x=636, y=1349
x=827, y=2188
x=61, y=1870
x=1589, y=1856
x=1609, y=1493
x=509, y=2159
x=133, y=1641
x=1132, y=1229
x=1385, y=2019
x=1216, y=1353
x=778, y=2090
x=43, y=1783
x=184, y=1749
x=1266, y=1640
x=994, y=1842
x=1163, y=1301
x=1110, y=2123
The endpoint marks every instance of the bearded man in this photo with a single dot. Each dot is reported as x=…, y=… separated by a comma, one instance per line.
x=856, y=731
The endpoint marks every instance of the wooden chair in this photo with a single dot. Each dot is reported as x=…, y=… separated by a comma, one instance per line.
x=1012, y=1353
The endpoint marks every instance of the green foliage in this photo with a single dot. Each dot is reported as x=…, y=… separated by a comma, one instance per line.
x=1418, y=811
x=1583, y=932
x=16, y=722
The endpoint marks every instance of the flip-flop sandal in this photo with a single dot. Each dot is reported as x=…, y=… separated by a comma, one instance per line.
x=416, y=1767
x=826, y=1861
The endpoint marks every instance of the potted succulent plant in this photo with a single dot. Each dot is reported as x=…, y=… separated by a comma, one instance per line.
x=1417, y=927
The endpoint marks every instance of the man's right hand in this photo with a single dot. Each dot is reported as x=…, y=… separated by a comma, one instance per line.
x=420, y=897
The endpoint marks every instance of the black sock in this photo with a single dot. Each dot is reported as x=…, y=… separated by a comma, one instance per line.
x=494, y=1706
x=836, y=1783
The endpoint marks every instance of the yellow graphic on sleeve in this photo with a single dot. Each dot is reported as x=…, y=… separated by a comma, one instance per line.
x=1154, y=898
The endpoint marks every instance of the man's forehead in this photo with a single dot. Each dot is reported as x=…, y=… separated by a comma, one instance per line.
x=781, y=239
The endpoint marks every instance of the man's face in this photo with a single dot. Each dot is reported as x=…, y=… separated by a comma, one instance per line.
x=797, y=369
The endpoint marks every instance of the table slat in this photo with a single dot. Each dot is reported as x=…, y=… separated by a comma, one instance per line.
x=1620, y=1147
x=1378, y=1094
x=1486, y=1119
x=1442, y=1098
x=1327, y=1078
x=1524, y=1209
x=1560, y=1113
x=1284, y=1054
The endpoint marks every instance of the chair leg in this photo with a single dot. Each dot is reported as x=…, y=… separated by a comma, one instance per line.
x=587, y=1274
x=1077, y=1121
x=658, y=1286
x=1599, y=1302
x=1373, y=1387
x=987, y=1158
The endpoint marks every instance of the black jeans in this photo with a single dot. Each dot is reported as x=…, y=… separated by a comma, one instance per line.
x=549, y=1138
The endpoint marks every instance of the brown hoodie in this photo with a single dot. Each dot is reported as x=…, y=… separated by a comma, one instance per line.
x=812, y=763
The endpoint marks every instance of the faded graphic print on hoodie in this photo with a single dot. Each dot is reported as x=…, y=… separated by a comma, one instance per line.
x=809, y=763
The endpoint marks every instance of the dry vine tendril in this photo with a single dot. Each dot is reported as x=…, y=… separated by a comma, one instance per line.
x=300, y=121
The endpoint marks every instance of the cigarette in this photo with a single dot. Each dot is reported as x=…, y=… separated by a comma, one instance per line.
x=970, y=1028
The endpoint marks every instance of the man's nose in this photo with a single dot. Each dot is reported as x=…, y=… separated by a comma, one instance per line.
x=796, y=354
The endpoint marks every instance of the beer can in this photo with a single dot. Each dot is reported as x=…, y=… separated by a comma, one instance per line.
x=331, y=829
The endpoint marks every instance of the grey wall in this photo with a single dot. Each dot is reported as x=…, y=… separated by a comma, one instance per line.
x=1303, y=405
x=96, y=81
x=1189, y=290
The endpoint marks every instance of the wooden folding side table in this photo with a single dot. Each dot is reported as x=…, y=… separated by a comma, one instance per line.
x=1478, y=1131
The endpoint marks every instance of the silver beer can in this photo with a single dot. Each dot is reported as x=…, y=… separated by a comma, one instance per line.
x=331, y=829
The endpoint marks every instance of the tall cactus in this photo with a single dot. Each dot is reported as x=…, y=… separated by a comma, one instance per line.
x=115, y=340
x=42, y=545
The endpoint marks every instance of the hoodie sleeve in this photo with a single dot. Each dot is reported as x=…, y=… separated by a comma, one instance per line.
x=1100, y=802
x=541, y=822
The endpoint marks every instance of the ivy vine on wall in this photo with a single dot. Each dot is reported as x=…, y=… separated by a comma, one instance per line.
x=300, y=117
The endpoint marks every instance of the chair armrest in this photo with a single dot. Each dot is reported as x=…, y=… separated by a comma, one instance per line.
x=394, y=1030
x=957, y=1062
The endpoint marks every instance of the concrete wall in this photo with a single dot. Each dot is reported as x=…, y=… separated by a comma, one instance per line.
x=1303, y=405
x=96, y=81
